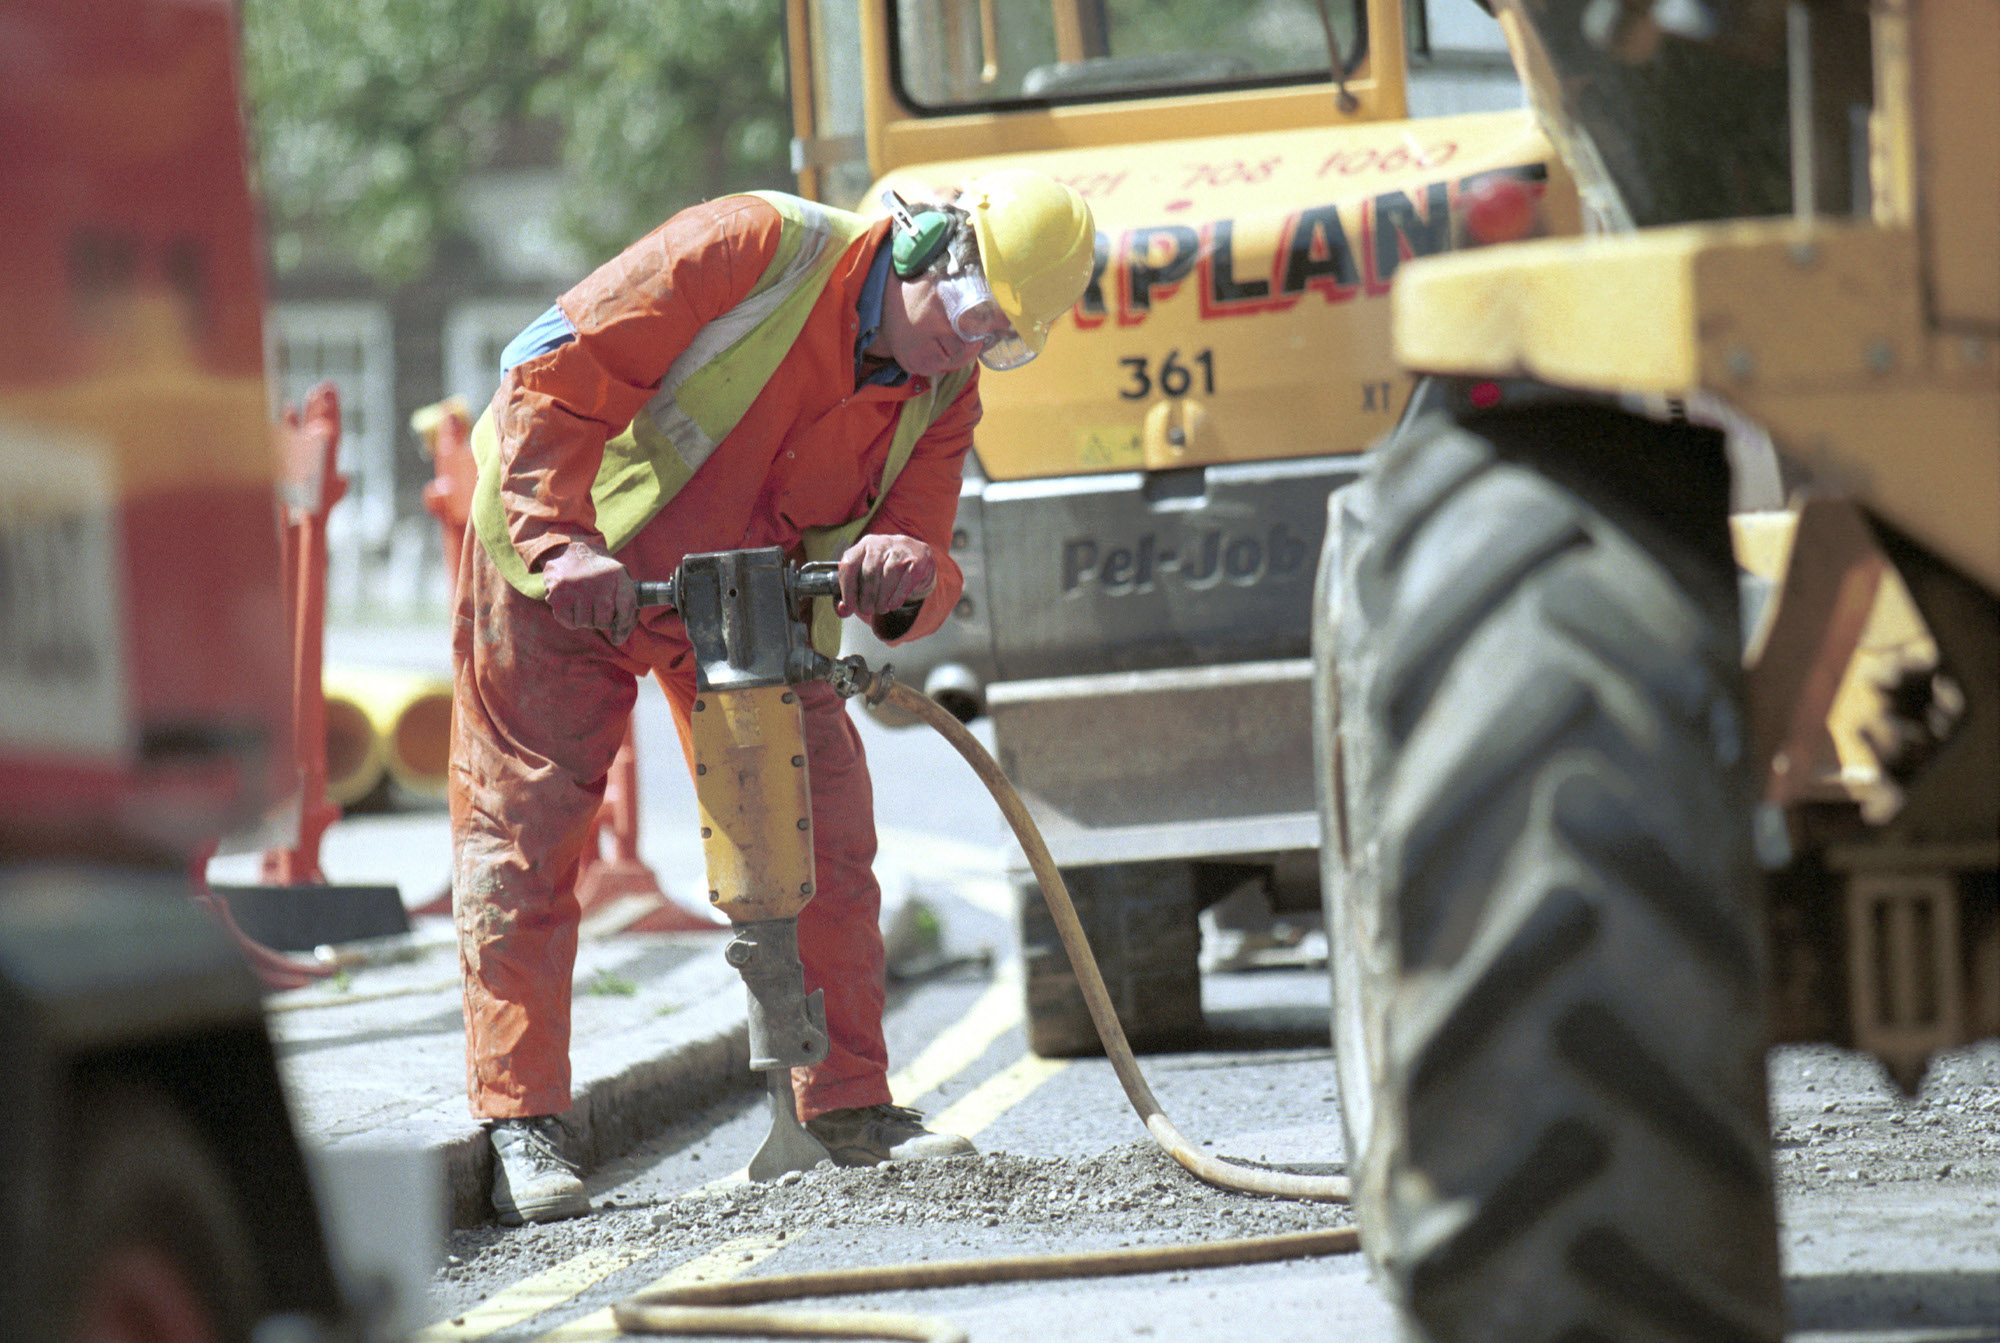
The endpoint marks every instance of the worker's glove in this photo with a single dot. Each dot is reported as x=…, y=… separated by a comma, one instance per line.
x=590, y=590
x=881, y=574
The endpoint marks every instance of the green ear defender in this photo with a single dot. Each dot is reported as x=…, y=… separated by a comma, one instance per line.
x=919, y=239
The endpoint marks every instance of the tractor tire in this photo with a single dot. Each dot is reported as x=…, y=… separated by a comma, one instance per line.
x=1141, y=920
x=156, y=1243
x=1554, y=956
x=1353, y=945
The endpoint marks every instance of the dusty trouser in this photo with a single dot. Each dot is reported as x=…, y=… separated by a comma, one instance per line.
x=540, y=711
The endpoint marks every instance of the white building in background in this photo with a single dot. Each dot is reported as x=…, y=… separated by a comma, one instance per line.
x=390, y=354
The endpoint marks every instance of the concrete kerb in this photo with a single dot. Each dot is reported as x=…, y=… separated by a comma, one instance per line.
x=659, y=1031
x=627, y=1089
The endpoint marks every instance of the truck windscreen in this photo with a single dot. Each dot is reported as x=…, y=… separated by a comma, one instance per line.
x=961, y=55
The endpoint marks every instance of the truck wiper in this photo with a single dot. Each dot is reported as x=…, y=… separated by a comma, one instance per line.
x=1344, y=100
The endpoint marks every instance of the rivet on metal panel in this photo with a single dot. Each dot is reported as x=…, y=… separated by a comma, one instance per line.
x=804, y=824
x=700, y=705
x=964, y=608
x=798, y=762
x=701, y=769
x=787, y=697
x=805, y=888
x=707, y=833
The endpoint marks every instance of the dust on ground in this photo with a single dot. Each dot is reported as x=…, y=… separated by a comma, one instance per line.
x=1839, y=1128
x=1836, y=1120
x=1118, y=1198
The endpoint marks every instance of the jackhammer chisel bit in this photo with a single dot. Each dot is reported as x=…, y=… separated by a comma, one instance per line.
x=745, y=613
x=787, y=1030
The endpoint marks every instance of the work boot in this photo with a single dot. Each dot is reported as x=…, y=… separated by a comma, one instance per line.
x=872, y=1134
x=532, y=1180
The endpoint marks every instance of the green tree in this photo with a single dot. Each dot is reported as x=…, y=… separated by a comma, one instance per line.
x=368, y=115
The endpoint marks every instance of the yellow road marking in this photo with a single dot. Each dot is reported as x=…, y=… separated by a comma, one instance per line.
x=996, y=1095
x=534, y=1294
x=960, y=1044
x=741, y=1175
x=956, y=1048
x=727, y=1260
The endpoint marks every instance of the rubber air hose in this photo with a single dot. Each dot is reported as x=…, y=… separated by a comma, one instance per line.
x=1096, y=997
x=715, y=1307
x=711, y=1307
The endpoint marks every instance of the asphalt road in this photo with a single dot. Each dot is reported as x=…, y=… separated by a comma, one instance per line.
x=1891, y=1208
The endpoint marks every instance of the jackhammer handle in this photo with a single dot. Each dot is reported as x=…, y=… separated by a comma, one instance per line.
x=820, y=578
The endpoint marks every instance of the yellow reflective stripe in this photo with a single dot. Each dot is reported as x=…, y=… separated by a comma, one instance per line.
x=829, y=543
x=711, y=384
x=489, y=515
x=703, y=389
x=641, y=470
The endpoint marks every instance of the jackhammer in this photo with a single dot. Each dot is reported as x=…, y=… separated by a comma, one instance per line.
x=747, y=614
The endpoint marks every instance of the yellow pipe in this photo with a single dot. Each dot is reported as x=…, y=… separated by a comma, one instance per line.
x=354, y=764
x=409, y=713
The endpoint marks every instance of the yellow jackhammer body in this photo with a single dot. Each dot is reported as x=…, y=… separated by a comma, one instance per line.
x=747, y=614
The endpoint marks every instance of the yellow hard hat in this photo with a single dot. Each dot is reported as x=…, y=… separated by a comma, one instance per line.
x=1037, y=245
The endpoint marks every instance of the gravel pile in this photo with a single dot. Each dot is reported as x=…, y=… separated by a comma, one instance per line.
x=1130, y=1195
x=1112, y=1192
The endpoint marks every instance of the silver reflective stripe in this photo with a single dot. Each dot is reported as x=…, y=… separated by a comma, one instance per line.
x=690, y=441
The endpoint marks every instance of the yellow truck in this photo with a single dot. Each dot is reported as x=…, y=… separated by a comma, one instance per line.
x=1142, y=528
x=1621, y=787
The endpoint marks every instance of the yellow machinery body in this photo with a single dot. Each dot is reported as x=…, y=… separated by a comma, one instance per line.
x=1139, y=526
x=1868, y=346
x=1248, y=236
x=1861, y=332
x=756, y=804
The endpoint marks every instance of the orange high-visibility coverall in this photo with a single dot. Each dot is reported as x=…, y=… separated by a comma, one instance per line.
x=540, y=710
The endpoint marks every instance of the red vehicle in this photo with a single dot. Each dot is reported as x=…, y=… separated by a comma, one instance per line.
x=152, y=1180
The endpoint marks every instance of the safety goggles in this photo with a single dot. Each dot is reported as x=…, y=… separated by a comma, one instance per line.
x=976, y=319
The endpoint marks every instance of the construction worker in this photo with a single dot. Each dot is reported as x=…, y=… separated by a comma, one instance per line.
x=760, y=370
